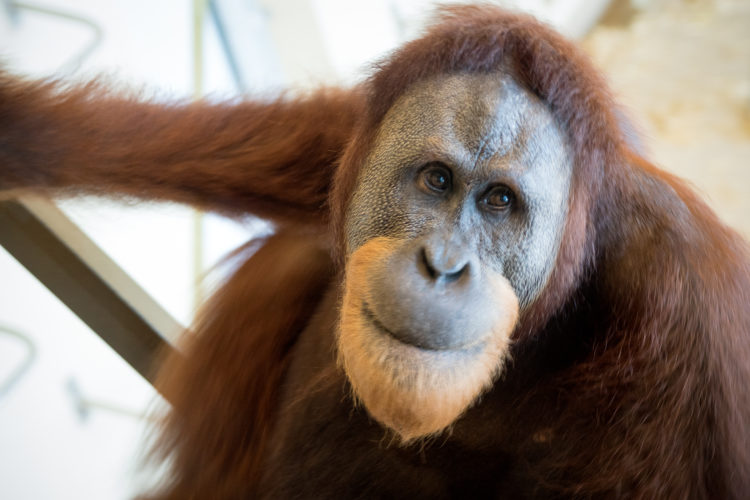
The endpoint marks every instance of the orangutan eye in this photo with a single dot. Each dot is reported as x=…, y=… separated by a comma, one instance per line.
x=436, y=178
x=498, y=198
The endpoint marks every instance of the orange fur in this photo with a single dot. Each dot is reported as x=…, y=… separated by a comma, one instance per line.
x=242, y=336
x=263, y=157
x=626, y=378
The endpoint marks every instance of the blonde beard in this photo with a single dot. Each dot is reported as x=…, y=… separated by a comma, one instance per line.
x=415, y=392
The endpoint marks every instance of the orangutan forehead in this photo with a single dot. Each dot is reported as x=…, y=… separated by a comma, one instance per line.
x=474, y=118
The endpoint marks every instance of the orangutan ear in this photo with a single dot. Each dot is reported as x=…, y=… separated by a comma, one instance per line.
x=273, y=158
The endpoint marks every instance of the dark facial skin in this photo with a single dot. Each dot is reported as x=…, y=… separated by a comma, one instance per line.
x=473, y=173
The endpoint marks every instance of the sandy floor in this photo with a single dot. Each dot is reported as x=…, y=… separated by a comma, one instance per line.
x=682, y=69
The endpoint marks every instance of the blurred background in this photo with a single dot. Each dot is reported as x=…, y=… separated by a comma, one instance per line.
x=72, y=413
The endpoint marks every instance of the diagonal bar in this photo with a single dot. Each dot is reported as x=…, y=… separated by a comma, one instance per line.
x=86, y=280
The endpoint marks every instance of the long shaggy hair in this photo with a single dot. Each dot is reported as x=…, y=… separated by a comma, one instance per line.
x=631, y=368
